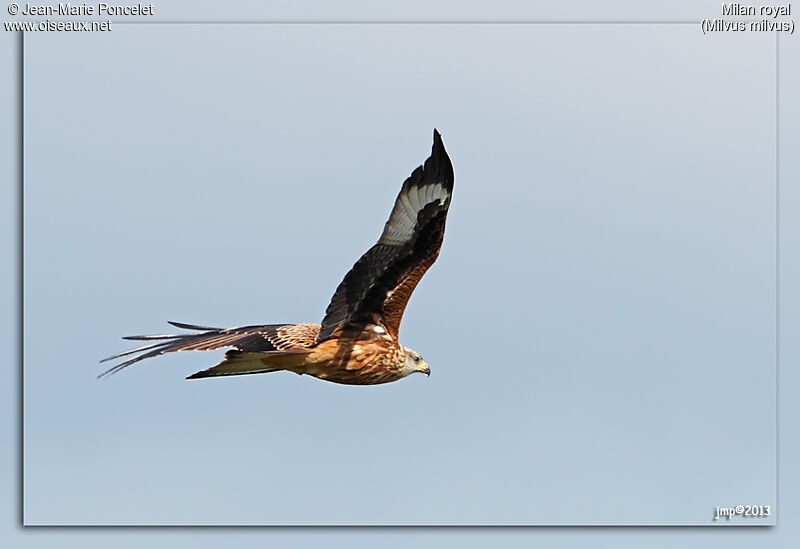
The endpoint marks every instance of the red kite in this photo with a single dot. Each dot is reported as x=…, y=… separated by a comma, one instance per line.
x=357, y=342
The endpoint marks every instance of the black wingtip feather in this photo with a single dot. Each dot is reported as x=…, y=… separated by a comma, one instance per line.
x=438, y=166
x=438, y=146
x=151, y=337
x=136, y=350
x=192, y=326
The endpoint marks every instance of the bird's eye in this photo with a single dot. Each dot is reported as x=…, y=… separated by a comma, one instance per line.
x=416, y=359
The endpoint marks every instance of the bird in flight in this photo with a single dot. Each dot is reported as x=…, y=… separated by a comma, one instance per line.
x=357, y=342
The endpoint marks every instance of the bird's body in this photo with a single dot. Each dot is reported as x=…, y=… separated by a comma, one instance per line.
x=357, y=341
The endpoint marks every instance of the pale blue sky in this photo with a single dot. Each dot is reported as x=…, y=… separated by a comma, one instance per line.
x=600, y=324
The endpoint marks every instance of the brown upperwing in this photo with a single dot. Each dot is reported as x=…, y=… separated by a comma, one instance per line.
x=258, y=339
x=378, y=287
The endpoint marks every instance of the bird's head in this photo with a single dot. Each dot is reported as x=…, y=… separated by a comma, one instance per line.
x=414, y=363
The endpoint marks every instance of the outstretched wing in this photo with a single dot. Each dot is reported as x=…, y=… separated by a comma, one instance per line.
x=281, y=338
x=377, y=288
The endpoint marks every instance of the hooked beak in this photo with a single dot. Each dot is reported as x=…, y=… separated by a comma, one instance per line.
x=425, y=369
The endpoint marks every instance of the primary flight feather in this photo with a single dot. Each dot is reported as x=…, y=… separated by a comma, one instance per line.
x=357, y=341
